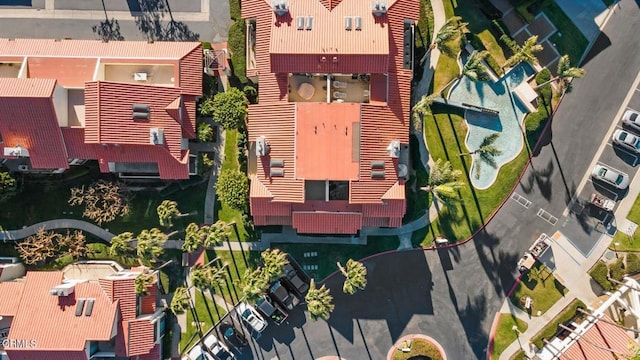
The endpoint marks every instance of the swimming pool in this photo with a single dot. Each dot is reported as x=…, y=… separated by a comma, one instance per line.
x=496, y=96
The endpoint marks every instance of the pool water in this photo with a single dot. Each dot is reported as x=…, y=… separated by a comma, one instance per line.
x=496, y=96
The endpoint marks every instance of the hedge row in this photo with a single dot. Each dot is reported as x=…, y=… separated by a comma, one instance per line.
x=536, y=120
x=238, y=50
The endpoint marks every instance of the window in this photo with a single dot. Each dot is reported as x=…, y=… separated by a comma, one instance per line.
x=338, y=190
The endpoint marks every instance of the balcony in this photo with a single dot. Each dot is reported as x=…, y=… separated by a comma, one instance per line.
x=140, y=74
x=329, y=88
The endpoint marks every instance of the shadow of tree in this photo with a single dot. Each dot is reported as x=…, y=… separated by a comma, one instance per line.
x=149, y=17
x=108, y=30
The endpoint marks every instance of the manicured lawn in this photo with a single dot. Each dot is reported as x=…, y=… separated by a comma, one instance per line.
x=550, y=330
x=447, y=70
x=505, y=334
x=543, y=288
x=445, y=133
x=520, y=355
x=416, y=198
x=419, y=347
x=329, y=254
x=206, y=314
x=226, y=213
x=480, y=25
x=626, y=242
x=572, y=42
x=234, y=260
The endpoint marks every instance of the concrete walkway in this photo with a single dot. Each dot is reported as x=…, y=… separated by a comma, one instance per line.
x=13, y=235
x=210, y=197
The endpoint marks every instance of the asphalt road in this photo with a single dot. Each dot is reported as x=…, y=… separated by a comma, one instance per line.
x=155, y=23
x=452, y=295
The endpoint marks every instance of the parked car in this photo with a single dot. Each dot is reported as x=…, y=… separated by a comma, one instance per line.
x=626, y=140
x=292, y=279
x=282, y=296
x=252, y=318
x=611, y=176
x=233, y=336
x=631, y=118
x=271, y=310
x=210, y=345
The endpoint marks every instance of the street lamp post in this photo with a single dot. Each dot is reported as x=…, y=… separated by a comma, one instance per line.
x=517, y=331
x=615, y=248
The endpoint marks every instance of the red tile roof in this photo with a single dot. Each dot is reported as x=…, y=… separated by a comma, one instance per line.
x=28, y=118
x=325, y=145
x=324, y=222
x=281, y=48
x=11, y=296
x=50, y=320
x=168, y=166
x=140, y=337
x=328, y=34
x=601, y=335
x=70, y=72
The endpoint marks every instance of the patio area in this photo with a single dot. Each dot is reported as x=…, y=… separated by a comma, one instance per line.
x=324, y=88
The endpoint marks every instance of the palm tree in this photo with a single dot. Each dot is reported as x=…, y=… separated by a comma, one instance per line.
x=180, y=301
x=151, y=244
x=486, y=152
x=254, y=283
x=120, y=244
x=319, y=302
x=142, y=282
x=444, y=183
x=355, y=276
x=565, y=72
x=526, y=52
x=423, y=108
x=273, y=260
x=167, y=210
x=473, y=68
x=451, y=30
x=192, y=238
x=214, y=234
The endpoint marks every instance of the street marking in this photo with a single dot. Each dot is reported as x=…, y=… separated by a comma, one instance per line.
x=547, y=217
x=521, y=200
x=598, y=154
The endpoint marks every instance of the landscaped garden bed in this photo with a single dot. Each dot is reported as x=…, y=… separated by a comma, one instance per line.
x=565, y=316
x=505, y=335
x=542, y=287
x=417, y=348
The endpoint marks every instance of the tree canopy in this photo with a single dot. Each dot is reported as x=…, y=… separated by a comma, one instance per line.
x=233, y=189
x=319, y=302
x=8, y=185
x=228, y=108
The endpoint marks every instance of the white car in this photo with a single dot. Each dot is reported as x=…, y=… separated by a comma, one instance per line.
x=626, y=140
x=631, y=118
x=252, y=318
x=210, y=344
x=611, y=176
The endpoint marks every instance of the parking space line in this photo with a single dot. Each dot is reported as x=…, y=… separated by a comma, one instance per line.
x=608, y=135
x=521, y=200
x=546, y=216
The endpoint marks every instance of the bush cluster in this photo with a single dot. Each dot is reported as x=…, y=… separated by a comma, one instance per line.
x=536, y=120
x=600, y=274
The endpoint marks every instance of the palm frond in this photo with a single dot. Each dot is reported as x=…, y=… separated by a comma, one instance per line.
x=489, y=158
x=489, y=140
x=474, y=68
x=442, y=173
x=477, y=166
x=448, y=193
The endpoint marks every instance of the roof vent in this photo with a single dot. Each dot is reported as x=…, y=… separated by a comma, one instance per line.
x=378, y=174
x=62, y=289
x=142, y=108
x=80, y=306
x=277, y=163
x=403, y=172
x=280, y=7
x=394, y=149
x=379, y=8
x=276, y=172
x=17, y=151
x=300, y=20
x=377, y=164
x=347, y=22
x=262, y=147
x=89, y=308
x=358, y=22
x=308, y=23
x=156, y=136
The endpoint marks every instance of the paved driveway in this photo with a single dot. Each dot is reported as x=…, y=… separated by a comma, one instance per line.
x=178, y=20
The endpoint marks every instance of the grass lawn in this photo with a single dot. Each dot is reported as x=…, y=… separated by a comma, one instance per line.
x=445, y=132
x=329, y=254
x=237, y=265
x=629, y=243
x=448, y=69
x=226, y=213
x=419, y=347
x=416, y=198
x=206, y=314
x=505, y=334
x=480, y=25
x=520, y=355
x=542, y=287
x=572, y=42
x=565, y=316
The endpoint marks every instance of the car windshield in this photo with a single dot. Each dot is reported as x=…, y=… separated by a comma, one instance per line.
x=602, y=172
x=633, y=116
x=228, y=333
x=623, y=136
x=246, y=314
x=619, y=179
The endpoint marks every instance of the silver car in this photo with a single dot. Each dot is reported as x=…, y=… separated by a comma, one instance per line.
x=626, y=140
x=631, y=118
x=252, y=318
x=611, y=176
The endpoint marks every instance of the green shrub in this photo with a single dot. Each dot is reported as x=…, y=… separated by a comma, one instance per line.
x=235, y=10
x=8, y=186
x=233, y=189
x=236, y=43
x=205, y=132
x=600, y=273
x=205, y=45
x=565, y=316
x=633, y=264
x=230, y=108
x=617, y=270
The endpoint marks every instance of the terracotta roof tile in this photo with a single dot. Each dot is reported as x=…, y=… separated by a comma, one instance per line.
x=57, y=326
x=323, y=223
x=600, y=335
x=69, y=72
x=326, y=146
x=28, y=119
x=325, y=63
x=12, y=295
x=140, y=337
